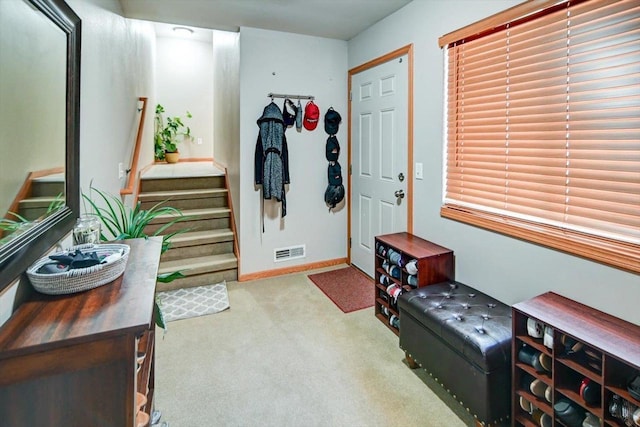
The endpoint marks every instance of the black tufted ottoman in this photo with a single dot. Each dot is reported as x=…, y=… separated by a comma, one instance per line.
x=462, y=337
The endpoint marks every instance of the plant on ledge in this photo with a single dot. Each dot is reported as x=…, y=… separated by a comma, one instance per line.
x=166, y=137
x=124, y=222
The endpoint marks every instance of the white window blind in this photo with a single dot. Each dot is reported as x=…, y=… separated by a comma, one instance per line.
x=543, y=127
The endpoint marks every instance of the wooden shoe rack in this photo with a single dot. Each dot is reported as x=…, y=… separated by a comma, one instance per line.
x=608, y=356
x=72, y=360
x=435, y=265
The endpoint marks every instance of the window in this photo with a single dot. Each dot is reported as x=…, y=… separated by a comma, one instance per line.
x=543, y=127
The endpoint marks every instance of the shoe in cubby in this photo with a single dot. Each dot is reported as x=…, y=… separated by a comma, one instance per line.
x=540, y=361
x=570, y=413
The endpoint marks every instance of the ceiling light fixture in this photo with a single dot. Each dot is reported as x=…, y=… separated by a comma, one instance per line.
x=183, y=31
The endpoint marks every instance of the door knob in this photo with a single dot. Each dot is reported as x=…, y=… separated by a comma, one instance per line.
x=399, y=194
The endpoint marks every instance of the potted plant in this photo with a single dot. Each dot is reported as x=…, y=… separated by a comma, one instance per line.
x=167, y=136
x=123, y=222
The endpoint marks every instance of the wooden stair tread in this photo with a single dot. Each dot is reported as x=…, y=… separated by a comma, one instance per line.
x=53, y=177
x=38, y=200
x=205, y=211
x=195, y=214
x=184, y=175
x=201, y=237
x=200, y=264
x=182, y=194
x=203, y=182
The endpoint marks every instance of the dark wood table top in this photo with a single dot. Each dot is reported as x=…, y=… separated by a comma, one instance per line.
x=123, y=306
x=414, y=245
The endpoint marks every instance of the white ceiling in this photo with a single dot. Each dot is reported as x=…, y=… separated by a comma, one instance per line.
x=337, y=19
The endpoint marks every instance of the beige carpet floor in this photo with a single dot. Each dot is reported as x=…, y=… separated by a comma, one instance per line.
x=285, y=355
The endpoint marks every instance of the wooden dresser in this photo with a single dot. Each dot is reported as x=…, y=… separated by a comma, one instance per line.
x=72, y=360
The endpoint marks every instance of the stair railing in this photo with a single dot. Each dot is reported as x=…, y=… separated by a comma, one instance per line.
x=132, y=172
x=25, y=192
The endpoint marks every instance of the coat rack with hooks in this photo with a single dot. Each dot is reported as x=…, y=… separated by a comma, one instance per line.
x=279, y=95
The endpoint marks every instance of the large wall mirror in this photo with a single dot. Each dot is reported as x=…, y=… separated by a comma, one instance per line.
x=39, y=129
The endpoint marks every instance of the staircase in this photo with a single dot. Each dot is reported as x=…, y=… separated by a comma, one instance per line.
x=45, y=192
x=204, y=254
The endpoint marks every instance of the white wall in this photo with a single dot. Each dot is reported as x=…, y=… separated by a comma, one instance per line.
x=226, y=110
x=272, y=61
x=116, y=69
x=184, y=82
x=509, y=269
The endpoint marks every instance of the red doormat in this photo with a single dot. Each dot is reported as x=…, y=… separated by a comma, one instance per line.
x=349, y=288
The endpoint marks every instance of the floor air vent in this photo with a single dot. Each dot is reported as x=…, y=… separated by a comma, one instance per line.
x=292, y=252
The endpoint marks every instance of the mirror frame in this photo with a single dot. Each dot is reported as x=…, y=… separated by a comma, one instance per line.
x=20, y=252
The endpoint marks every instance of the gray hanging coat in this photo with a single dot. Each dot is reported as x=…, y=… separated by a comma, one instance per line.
x=272, y=157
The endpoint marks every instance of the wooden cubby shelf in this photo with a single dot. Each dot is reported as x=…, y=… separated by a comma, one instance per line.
x=435, y=264
x=605, y=351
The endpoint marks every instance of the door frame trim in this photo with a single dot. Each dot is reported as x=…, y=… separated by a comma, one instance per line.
x=405, y=50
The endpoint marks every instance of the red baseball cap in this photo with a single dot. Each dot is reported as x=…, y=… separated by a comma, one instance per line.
x=311, y=116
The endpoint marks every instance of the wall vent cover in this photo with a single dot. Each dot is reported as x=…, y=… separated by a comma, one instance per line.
x=292, y=252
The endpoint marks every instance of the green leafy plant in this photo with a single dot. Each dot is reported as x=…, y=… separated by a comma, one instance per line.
x=124, y=222
x=56, y=203
x=11, y=225
x=9, y=228
x=7, y=224
x=167, y=137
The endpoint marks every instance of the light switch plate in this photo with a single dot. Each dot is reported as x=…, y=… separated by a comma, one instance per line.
x=419, y=174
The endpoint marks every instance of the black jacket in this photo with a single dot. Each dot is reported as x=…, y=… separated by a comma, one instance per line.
x=271, y=163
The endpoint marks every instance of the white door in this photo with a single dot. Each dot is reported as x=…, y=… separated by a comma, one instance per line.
x=379, y=145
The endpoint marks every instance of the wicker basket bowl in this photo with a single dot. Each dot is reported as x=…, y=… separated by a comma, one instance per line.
x=80, y=279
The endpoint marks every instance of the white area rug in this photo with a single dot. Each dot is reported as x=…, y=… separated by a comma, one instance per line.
x=192, y=302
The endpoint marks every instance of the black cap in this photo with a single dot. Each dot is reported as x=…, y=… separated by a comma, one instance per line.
x=333, y=195
x=334, y=173
x=288, y=118
x=332, y=149
x=332, y=121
